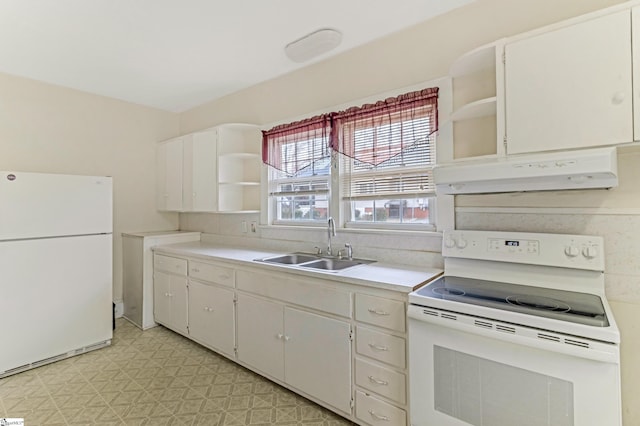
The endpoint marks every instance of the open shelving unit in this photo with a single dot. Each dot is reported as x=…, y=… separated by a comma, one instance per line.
x=239, y=165
x=478, y=92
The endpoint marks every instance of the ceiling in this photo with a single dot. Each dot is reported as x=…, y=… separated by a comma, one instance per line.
x=177, y=54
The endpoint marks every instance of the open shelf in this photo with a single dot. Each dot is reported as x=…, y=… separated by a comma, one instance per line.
x=479, y=59
x=477, y=109
x=239, y=168
x=478, y=100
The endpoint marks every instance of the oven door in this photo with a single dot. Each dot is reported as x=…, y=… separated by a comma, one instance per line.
x=466, y=370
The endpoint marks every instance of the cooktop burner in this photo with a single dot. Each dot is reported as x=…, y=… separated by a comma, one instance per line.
x=538, y=302
x=580, y=308
x=448, y=291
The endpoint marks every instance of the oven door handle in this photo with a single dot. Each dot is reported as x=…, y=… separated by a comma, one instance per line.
x=539, y=339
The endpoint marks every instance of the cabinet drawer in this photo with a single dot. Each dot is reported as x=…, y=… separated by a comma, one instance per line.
x=382, y=312
x=375, y=412
x=381, y=380
x=212, y=273
x=381, y=346
x=170, y=264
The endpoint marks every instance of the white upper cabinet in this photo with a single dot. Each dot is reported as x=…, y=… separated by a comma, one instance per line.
x=635, y=19
x=200, y=190
x=169, y=175
x=217, y=170
x=570, y=86
x=186, y=170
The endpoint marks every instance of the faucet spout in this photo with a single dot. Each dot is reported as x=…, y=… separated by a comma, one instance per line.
x=331, y=232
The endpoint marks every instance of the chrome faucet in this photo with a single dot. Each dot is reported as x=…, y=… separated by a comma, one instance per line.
x=349, y=251
x=331, y=232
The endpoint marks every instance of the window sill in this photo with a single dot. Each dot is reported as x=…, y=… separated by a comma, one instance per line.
x=353, y=229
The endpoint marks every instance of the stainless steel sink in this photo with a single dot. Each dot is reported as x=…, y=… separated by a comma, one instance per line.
x=311, y=261
x=331, y=264
x=290, y=259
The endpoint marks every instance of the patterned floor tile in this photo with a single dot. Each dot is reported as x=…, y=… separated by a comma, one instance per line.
x=261, y=416
x=154, y=378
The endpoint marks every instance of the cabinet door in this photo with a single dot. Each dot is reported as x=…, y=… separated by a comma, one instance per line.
x=179, y=304
x=170, y=300
x=211, y=319
x=169, y=175
x=161, y=298
x=200, y=172
x=318, y=357
x=570, y=88
x=635, y=19
x=261, y=335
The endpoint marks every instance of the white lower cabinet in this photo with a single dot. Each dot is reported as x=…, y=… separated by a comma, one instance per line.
x=260, y=335
x=381, y=386
x=317, y=357
x=170, y=301
x=342, y=345
x=305, y=350
x=211, y=316
x=381, y=380
x=373, y=411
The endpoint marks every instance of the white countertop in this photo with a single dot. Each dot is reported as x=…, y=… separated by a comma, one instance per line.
x=158, y=233
x=387, y=276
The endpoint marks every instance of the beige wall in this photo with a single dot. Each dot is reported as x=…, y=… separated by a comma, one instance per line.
x=423, y=53
x=49, y=129
x=418, y=54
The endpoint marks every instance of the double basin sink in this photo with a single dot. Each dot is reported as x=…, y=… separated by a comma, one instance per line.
x=311, y=261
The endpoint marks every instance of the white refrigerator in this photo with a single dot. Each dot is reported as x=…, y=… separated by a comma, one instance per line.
x=55, y=267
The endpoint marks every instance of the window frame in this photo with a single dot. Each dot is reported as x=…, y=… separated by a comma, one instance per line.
x=443, y=212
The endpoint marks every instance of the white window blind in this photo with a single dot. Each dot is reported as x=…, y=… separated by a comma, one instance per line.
x=300, y=157
x=389, y=154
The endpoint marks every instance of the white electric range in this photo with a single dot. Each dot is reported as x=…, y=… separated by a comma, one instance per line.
x=518, y=331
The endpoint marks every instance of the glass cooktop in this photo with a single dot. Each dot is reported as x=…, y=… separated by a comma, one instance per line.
x=580, y=308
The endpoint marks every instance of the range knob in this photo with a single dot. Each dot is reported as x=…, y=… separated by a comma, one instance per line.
x=461, y=243
x=571, y=251
x=590, y=252
x=449, y=242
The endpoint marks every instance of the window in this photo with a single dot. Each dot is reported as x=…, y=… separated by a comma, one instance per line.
x=300, y=174
x=386, y=172
x=384, y=175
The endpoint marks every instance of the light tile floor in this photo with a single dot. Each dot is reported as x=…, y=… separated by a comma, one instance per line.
x=153, y=377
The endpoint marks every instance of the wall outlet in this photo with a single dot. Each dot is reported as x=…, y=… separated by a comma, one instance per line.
x=244, y=226
x=254, y=227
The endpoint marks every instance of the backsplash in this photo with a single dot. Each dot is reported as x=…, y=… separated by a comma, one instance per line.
x=620, y=232
x=404, y=248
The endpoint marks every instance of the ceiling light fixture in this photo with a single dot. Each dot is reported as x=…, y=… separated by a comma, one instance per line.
x=313, y=44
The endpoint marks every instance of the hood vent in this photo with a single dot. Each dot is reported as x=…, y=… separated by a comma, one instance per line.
x=583, y=169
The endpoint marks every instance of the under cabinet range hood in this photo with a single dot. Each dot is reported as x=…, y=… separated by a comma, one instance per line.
x=582, y=169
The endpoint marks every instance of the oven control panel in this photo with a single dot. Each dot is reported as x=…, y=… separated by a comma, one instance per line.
x=562, y=250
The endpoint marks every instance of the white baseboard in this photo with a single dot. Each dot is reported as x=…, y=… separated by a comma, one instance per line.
x=119, y=308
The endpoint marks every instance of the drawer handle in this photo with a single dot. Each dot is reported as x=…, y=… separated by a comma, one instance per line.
x=208, y=309
x=224, y=277
x=378, y=416
x=378, y=381
x=378, y=347
x=280, y=336
x=378, y=312
x=196, y=270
